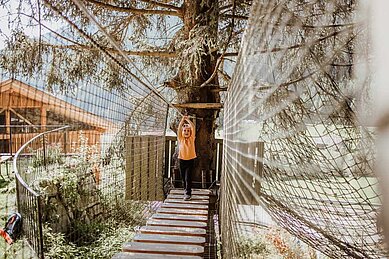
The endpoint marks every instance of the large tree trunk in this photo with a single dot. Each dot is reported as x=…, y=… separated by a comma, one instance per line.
x=201, y=14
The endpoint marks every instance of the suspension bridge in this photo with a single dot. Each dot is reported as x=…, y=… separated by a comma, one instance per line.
x=295, y=154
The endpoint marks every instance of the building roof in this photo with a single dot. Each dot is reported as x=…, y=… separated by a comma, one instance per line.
x=16, y=94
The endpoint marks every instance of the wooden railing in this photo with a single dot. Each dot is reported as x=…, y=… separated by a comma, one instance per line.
x=144, y=168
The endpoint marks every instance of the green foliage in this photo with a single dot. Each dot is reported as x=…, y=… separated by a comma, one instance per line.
x=108, y=240
x=52, y=154
x=126, y=211
x=273, y=243
x=67, y=187
x=83, y=233
x=64, y=176
x=248, y=247
x=18, y=250
x=56, y=245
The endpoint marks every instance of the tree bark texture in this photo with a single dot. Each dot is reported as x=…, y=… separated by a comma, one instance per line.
x=204, y=14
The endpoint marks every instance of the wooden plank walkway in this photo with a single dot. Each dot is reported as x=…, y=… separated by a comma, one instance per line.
x=176, y=230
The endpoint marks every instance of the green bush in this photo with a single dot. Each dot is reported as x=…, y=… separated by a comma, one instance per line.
x=56, y=245
x=248, y=247
x=108, y=240
x=54, y=155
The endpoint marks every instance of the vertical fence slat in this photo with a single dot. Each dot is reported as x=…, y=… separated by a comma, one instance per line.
x=159, y=167
x=137, y=165
x=144, y=173
x=129, y=168
x=152, y=173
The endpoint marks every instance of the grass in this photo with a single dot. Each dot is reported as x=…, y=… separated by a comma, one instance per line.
x=20, y=249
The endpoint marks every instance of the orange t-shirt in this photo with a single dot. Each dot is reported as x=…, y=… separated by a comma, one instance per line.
x=186, y=148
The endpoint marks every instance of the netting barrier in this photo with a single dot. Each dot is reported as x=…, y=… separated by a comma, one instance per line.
x=102, y=176
x=294, y=143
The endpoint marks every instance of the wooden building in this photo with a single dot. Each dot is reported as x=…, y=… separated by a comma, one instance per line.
x=26, y=111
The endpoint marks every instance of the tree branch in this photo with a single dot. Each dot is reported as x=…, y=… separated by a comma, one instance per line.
x=164, y=5
x=226, y=77
x=133, y=10
x=230, y=54
x=240, y=17
x=144, y=53
x=276, y=49
x=214, y=72
x=76, y=45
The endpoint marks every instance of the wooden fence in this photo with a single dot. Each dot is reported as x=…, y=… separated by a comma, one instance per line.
x=68, y=140
x=144, y=168
x=249, y=159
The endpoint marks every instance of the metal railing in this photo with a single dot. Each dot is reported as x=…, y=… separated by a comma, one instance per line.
x=29, y=202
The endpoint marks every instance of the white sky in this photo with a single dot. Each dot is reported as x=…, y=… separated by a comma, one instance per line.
x=8, y=12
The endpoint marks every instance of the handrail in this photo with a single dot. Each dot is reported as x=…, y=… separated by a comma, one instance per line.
x=20, y=179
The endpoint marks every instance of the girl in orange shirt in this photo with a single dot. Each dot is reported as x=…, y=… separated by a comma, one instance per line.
x=186, y=135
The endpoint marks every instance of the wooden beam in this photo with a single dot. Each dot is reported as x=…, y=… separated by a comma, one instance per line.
x=199, y=105
x=219, y=89
x=8, y=121
x=20, y=116
x=43, y=117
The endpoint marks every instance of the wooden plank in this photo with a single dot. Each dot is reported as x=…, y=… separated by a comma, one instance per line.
x=176, y=223
x=199, y=105
x=160, y=144
x=7, y=121
x=180, y=217
x=184, y=206
x=204, y=202
x=144, y=172
x=152, y=173
x=194, y=191
x=180, y=231
x=247, y=171
x=167, y=157
x=169, y=239
x=137, y=168
x=194, y=197
x=240, y=188
x=259, y=158
x=129, y=255
x=129, y=168
x=182, y=211
x=220, y=160
x=163, y=248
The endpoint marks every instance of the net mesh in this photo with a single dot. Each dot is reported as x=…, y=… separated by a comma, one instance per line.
x=294, y=143
x=113, y=148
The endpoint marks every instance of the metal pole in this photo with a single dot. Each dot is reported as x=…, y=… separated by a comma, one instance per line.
x=44, y=152
x=40, y=229
x=203, y=180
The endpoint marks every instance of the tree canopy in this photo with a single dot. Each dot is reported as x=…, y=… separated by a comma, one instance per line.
x=181, y=45
x=163, y=36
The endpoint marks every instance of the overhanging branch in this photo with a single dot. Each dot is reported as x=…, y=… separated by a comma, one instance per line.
x=231, y=16
x=144, y=53
x=134, y=10
x=163, y=5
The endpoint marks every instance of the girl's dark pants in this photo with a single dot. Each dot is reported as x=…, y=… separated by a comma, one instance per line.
x=186, y=168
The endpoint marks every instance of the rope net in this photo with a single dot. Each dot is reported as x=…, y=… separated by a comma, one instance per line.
x=101, y=177
x=294, y=144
